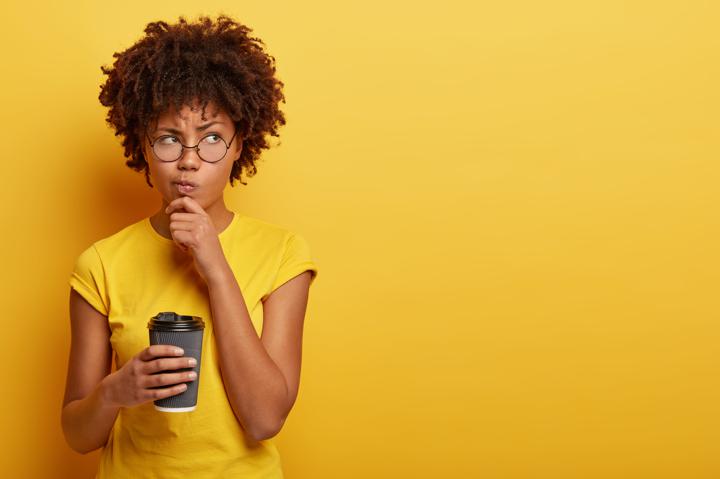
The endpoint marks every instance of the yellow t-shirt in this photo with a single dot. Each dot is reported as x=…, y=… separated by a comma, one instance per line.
x=136, y=273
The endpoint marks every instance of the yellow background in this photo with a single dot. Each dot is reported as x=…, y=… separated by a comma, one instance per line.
x=513, y=207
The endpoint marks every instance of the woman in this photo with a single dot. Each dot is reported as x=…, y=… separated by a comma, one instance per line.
x=193, y=103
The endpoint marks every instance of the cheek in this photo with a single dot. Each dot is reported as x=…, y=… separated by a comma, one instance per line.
x=221, y=177
x=152, y=168
x=228, y=170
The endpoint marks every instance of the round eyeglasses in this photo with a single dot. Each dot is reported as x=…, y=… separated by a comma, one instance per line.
x=211, y=149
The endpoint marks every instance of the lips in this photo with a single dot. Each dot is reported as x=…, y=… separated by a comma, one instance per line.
x=186, y=183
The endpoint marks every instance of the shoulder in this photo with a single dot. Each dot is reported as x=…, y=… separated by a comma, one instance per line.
x=258, y=226
x=107, y=245
x=283, y=249
x=264, y=233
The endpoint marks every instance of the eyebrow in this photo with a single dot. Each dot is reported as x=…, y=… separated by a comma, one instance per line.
x=199, y=128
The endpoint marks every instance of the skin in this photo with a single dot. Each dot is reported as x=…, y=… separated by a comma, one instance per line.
x=212, y=177
x=261, y=374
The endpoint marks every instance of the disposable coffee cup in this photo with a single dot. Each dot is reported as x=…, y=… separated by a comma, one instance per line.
x=185, y=332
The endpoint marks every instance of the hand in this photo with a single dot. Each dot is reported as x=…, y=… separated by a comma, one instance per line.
x=133, y=384
x=193, y=231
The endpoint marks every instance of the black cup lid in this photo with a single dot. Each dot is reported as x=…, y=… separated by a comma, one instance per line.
x=170, y=321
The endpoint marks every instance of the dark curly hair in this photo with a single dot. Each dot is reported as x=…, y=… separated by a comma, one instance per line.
x=174, y=65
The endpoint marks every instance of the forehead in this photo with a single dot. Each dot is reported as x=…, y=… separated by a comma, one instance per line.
x=192, y=114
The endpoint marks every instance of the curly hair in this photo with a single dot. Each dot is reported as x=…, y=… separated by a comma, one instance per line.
x=204, y=61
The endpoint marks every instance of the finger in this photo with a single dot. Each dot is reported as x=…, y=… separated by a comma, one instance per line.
x=160, y=350
x=186, y=202
x=168, y=364
x=160, y=393
x=157, y=380
x=181, y=226
x=183, y=238
x=172, y=206
x=180, y=216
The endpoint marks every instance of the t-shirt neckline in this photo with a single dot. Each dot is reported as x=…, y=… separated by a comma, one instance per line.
x=150, y=229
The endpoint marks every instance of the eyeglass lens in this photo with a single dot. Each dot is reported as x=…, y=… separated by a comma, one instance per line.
x=212, y=148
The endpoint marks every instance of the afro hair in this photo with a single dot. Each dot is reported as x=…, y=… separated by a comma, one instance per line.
x=204, y=61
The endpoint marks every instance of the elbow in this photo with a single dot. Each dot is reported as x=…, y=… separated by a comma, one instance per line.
x=263, y=432
x=72, y=441
x=83, y=450
x=78, y=447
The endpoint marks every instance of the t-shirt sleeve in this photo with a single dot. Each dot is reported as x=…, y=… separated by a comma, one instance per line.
x=88, y=279
x=295, y=260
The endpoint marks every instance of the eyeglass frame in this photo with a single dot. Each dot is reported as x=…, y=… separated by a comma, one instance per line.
x=196, y=147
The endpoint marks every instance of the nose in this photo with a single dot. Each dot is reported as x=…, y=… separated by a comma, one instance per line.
x=189, y=160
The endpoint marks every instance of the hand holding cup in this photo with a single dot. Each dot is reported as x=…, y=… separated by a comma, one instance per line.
x=150, y=375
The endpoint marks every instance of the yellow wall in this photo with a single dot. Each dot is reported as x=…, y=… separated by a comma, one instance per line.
x=513, y=206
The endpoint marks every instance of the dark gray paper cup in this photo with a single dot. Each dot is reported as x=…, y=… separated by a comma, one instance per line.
x=186, y=332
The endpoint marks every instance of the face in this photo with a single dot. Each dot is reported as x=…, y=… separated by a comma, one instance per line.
x=187, y=127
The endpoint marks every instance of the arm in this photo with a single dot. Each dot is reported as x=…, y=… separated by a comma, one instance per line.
x=86, y=418
x=93, y=396
x=261, y=375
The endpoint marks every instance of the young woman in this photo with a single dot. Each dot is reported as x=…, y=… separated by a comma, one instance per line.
x=193, y=103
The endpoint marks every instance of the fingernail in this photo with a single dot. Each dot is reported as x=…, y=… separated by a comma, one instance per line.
x=179, y=351
x=192, y=361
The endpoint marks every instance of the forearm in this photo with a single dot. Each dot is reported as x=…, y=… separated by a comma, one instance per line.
x=256, y=387
x=87, y=422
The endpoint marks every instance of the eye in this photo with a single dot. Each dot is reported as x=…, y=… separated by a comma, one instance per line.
x=167, y=140
x=212, y=139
